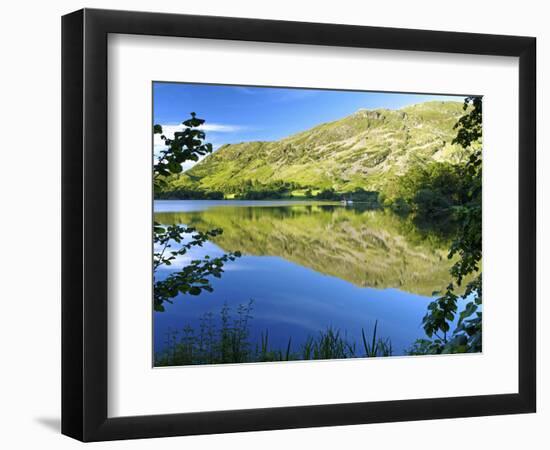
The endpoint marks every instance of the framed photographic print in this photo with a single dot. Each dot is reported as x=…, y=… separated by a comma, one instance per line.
x=273, y=224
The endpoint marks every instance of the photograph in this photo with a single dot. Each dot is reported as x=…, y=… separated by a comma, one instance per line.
x=299, y=224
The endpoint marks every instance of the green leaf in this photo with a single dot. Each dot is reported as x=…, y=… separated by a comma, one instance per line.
x=174, y=167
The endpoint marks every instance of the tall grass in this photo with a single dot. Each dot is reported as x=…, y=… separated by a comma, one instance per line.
x=228, y=341
x=377, y=347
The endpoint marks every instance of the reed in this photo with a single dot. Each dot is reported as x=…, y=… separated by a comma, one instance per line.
x=229, y=342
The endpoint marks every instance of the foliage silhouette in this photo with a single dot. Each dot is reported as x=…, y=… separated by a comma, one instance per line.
x=467, y=336
x=194, y=278
x=228, y=340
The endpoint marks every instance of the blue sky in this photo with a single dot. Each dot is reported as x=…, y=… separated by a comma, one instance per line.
x=242, y=113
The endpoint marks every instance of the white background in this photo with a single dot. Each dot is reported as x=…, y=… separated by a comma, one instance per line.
x=30, y=321
x=135, y=389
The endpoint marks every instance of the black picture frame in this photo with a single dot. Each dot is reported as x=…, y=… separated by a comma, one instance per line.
x=84, y=224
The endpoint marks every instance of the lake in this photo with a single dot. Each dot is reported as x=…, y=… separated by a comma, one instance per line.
x=307, y=266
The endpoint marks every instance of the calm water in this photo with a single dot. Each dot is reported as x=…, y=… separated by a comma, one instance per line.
x=308, y=266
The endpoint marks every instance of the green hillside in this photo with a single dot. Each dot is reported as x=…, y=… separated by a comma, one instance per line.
x=364, y=150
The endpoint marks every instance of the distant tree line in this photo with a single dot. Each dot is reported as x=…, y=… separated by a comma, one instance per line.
x=357, y=195
x=273, y=190
x=255, y=190
x=190, y=194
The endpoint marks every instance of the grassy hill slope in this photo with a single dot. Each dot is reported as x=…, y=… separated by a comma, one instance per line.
x=364, y=150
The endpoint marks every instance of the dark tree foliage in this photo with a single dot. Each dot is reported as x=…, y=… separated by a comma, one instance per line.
x=176, y=240
x=190, y=194
x=256, y=190
x=187, y=145
x=361, y=195
x=466, y=337
x=431, y=190
x=328, y=194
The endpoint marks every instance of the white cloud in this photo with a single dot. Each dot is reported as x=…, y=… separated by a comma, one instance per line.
x=169, y=130
x=221, y=128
